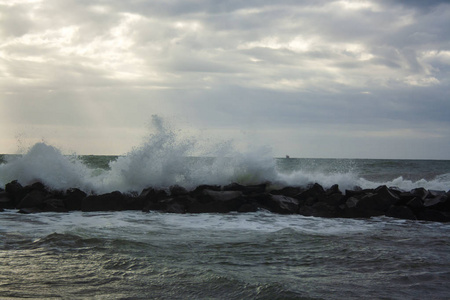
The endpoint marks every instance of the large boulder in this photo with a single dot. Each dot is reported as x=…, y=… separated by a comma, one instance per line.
x=279, y=204
x=288, y=191
x=73, y=198
x=55, y=205
x=246, y=189
x=6, y=200
x=433, y=215
x=311, y=195
x=401, y=212
x=377, y=202
x=216, y=201
x=16, y=191
x=106, y=202
x=34, y=198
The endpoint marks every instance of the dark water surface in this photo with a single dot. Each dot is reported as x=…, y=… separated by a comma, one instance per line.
x=133, y=255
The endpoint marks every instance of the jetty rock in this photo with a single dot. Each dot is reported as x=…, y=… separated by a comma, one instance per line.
x=313, y=200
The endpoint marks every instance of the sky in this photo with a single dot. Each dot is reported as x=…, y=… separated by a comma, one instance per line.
x=332, y=79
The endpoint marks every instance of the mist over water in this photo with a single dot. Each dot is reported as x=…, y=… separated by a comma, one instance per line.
x=166, y=158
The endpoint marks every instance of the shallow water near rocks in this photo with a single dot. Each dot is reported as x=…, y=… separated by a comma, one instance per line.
x=134, y=255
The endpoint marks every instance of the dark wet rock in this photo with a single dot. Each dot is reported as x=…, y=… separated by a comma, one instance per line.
x=279, y=204
x=415, y=204
x=288, y=191
x=351, y=202
x=29, y=210
x=376, y=202
x=177, y=190
x=405, y=197
x=149, y=198
x=311, y=195
x=320, y=209
x=401, y=212
x=246, y=189
x=420, y=193
x=34, y=198
x=248, y=207
x=37, y=186
x=6, y=200
x=202, y=187
x=132, y=202
x=153, y=195
x=430, y=205
x=440, y=202
x=334, y=189
x=16, y=190
x=216, y=201
x=72, y=199
x=334, y=200
x=433, y=215
x=357, y=192
x=55, y=205
x=114, y=201
x=178, y=205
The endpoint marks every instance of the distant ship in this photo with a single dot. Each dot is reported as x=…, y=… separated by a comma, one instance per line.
x=287, y=156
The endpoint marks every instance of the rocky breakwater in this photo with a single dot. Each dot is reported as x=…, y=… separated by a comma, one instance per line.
x=314, y=200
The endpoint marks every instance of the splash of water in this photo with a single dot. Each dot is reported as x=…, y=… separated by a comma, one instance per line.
x=165, y=158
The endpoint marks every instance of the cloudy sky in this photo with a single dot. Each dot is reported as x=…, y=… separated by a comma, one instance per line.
x=355, y=79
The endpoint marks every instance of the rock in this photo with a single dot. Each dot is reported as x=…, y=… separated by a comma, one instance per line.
x=29, y=210
x=320, y=209
x=132, y=202
x=246, y=189
x=248, y=207
x=16, y=190
x=280, y=204
x=153, y=195
x=114, y=201
x=357, y=192
x=405, y=197
x=420, y=193
x=333, y=200
x=34, y=198
x=198, y=190
x=72, y=199
x=288, y=191
x=55, y=205
x=216, y=201
x=178, y=205
x=311, y=195
x=433, y=215
x=401, y=212
x=415, y=204
x=6, y=200
x=439, y=202
x=351, y=202
x=379, y=201
x=334, y=189
x=177, y=190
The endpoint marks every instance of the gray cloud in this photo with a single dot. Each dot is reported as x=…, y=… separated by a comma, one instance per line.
x=334, y=67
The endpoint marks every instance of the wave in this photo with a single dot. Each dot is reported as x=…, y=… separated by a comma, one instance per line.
x=166, y=159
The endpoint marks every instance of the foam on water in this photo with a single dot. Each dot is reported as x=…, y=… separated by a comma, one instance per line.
x=165, y=159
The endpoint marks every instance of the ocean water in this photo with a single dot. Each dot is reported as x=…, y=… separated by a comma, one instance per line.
x=136, y=255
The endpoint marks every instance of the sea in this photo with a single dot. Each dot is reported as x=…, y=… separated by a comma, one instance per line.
x=260, y=255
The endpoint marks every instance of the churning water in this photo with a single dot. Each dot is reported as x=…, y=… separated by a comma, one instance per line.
x=135, y=255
